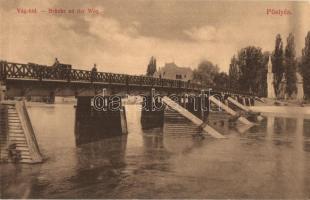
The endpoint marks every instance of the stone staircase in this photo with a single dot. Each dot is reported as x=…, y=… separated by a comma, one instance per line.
x=17, y=140
x=176, y=123
x=173, y=106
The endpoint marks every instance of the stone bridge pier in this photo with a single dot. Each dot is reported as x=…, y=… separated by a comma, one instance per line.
x=98, y=118
x=152, y=111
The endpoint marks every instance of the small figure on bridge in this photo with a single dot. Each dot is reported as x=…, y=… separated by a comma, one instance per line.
x=93, y=73
x=94, y=69
x=56, y=63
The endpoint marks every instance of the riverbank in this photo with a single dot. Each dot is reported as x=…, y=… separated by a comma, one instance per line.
x=288, y=111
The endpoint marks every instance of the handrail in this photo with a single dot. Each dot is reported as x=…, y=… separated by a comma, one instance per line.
x=10, y=70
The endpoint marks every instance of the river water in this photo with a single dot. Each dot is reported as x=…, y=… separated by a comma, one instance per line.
x=270, y=160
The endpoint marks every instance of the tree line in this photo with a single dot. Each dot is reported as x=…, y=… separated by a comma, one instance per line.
x=248, y=69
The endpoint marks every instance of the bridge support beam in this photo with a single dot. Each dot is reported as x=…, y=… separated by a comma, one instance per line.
x=229, y=110
x=239, y=105
x=249, y=101
x=252, y=100
x=199, y=106
x=93, y=124
x=245, y=108
x=239, y=99
x=243, y=101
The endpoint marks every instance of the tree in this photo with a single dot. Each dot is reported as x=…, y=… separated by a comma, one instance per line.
x=205, y=73
x=290, y=65
x=151, y=67
x=221, y=80
x=252, y=70
x=305, y=66
x=233, y=74
x=278, y=63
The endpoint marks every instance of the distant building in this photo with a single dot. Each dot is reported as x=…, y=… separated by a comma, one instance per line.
x=172, y=71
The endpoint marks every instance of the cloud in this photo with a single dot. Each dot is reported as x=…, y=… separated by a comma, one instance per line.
x=119, y=47
x=205, y=33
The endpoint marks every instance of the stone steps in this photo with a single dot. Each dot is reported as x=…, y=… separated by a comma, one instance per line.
x=175, y=123
x=21, y=148
x=181, y=127
x=13, y=131
x=26, y=160
x=17, y=145
x=14, y=135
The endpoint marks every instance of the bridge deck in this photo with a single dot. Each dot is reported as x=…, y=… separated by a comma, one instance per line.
x=10, y=71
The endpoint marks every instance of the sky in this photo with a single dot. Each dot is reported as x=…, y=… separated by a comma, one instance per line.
x=125, y=34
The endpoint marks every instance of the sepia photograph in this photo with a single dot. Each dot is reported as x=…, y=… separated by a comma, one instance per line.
x=154, y=99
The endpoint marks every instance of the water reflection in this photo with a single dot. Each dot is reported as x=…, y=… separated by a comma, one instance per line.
x=269, y=160
x=153, y=139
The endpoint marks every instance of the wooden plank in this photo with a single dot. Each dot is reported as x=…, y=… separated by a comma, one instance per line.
x=22, y=145
x=25, y=154
x=14, y=135
x=26, y=160
x=191, y=117
x=14, y=121
x=14, y=128
x=17, y=142
x=17, y=139
x=15, y=131
x=12, y=118
x=22, y=148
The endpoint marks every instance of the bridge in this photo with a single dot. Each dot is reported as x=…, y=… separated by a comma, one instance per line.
x=41, y=80
x=191, y=102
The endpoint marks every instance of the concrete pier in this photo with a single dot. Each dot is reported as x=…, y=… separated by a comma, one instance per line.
x=92, y=124
x=152, y=113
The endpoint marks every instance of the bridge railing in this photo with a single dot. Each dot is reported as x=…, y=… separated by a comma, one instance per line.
x=9, y=70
